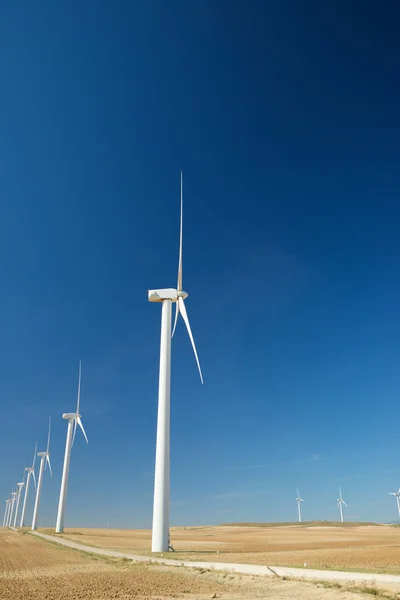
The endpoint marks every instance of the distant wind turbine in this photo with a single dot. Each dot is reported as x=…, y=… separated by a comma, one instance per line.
x=6, y=512
x=13, y=496
x=299, y=501
x=74, y=419
x=9, y=511
x=340, y=503
x=44, y=461
x=30, y=471
x=20, y=485
x=160, y=534
x=397, y=494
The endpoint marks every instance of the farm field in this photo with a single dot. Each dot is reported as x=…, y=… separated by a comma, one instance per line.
x=352, y=547
x=32, y=569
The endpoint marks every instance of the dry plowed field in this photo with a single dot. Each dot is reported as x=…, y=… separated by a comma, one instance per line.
x=334, y=547
x=32, y=569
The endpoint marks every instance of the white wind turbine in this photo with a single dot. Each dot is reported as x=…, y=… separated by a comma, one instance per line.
x=20, y=485
x=397, y=494
x=6, y=512
x=30, y=471
x=299, y=501
x=44, y=461
x=9, y=510
x=74, y=419
x=160, y=534
x=340, y=503
x=10, y=516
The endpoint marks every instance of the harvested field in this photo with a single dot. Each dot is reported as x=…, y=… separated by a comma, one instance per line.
x=31, y=569
x=365, y=547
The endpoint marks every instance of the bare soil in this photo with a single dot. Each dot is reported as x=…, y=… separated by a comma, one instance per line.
x=365, y=547
x=32, y=569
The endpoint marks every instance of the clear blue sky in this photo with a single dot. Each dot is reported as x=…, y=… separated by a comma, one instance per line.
x=284, y=117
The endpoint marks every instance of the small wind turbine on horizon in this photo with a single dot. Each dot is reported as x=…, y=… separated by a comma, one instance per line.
x=397, y=495
x=299, y=501
x=44, y=461
x=20, y=485
x=30, y=471
x=340, y=503
x=74, y=419
x=160, y=533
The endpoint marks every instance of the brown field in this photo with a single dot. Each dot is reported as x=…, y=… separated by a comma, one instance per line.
x=32, y=569
x=363, y=547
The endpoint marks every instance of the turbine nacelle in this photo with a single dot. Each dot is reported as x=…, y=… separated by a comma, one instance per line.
x=166, y=294
x=21, y=483
x=43, y=453
x=71, y=416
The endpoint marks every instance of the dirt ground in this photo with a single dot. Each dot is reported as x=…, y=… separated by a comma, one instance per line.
x=32, y=569
x=372, y=548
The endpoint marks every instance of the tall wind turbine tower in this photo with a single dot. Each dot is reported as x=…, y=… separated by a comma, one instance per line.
x=73, y=419
x=397, y=495
x=340, y=503
x=20, y=485
x=44, y=460
x=299, y=501
x=30, y=472
x=160, y=534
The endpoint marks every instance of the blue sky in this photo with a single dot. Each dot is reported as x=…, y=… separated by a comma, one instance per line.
x=284, y=118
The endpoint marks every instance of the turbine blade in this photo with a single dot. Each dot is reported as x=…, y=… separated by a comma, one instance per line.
x=345, y=503
x=78, y=419
x=185, y=318
x=34, y=456
x=73, y=435
x=298, y=495
x=79, y=388
x=179, y=287
x=49, y=463
x=48, y=437
x=34, y=479
x=176, y=317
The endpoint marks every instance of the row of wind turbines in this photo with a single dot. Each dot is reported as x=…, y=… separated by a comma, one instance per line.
x=161, y=506
x=341, y=503
x=13, y=502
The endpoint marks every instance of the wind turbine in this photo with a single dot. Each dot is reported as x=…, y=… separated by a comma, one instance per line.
x=340, y=503
x=299, y=500
x=20, y=485
x=160, y=534
x=30, y=471
x=397, y=494
x=74, y=419
x=44, y=460
x=6, y=512
x=9, y=510
x=13, y=496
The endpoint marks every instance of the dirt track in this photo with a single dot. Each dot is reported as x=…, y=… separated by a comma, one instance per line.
x=31, y=569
